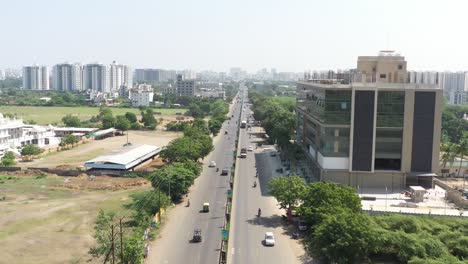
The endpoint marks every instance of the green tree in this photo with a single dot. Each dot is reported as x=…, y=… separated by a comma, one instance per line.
x=214, y=126
x=122, y=123
x=108, y=121
x=323, y=198
x=462, y=150
x=71, y=121
x=148, y=202
x=449, y=152
x=131, y=117
x=31, y=150
x=102, y=227
x=173, y=179
x=195, y=111
x=70, y=140
x=148, y=120
x=9, y=159
x=342, y=237
x=133, y=248
x=288, y=191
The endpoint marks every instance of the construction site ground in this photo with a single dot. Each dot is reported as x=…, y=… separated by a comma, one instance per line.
x=50, y=219
x=77, y=156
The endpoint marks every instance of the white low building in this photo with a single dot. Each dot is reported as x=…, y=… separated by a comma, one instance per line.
x=141, y=95
x=14, y=133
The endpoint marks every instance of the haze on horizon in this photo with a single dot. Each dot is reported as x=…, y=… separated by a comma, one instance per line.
x=215, y=35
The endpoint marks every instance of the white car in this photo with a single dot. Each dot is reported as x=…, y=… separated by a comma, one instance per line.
x=250, y=148
x=269, y=239
x=212, y=164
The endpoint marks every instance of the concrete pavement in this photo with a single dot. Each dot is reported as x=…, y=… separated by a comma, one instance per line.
x=173, y=243
x=248, y=230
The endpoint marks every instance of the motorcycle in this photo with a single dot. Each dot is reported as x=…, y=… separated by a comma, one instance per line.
x=259, y=212
x=217, y=169
x=255, y=184
x=188, y=203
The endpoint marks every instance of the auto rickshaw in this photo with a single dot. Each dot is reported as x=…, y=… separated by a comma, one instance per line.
x=206, y=207
x=197, y=237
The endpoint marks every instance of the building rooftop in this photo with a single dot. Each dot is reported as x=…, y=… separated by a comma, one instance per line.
x=125, y=158
x=330, y=84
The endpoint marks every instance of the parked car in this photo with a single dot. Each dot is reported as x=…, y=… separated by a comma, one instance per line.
x=250, y=148
x=212, y=164
x=225, y=171
x=269, y=239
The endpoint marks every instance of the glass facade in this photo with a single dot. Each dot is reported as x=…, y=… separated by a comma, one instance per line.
x=389, y=131
x=327, y=106
x=334, y=142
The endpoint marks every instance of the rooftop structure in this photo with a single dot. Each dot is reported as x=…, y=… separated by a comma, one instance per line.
x=125, y=158
x=374, y=133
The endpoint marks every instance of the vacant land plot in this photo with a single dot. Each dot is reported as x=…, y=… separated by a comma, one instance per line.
x=42, y=221
x=76, y=157
x=47, y=115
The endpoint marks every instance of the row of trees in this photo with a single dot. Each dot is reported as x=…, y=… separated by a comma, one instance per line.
x=169, y=183
x=340, y=232
x=449, y=151
x=33, y=98
x=106, y=119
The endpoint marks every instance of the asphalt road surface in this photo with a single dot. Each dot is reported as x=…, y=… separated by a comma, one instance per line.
x=247, y=230
x=173, y=243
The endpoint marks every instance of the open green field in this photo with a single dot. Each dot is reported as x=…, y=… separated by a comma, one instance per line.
x=44, y=115
x=43, y=222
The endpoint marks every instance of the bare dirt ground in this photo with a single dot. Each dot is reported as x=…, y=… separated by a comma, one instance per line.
x=456, y=183
x=50, y=219
x=78, y=155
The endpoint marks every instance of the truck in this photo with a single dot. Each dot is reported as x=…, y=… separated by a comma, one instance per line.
x=243, y=153
x=243, y=124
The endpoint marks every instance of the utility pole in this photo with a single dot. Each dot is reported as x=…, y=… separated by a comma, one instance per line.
x=113, y=244
x=121, y=240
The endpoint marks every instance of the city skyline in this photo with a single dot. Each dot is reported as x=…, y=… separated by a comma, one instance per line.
x=207, y=35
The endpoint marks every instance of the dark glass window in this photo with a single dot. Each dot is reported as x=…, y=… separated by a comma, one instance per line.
x=390, y=108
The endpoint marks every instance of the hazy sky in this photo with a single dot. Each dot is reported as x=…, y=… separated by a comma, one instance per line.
x=290, y=35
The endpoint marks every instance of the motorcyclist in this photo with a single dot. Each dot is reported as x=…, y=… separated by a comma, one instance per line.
x=259, y=212
x=255, y=184
x=188, y=202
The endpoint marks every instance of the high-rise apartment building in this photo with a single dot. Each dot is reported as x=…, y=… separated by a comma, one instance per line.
x=119, y=75
x=35, y=78
x=141, y=95
x=378, y=132
x=67, y=77
x=184, y=87
x=96, y=77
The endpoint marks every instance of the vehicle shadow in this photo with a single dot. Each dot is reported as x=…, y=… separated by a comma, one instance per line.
x=268, y=222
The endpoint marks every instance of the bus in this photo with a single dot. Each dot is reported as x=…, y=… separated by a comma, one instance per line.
x=243, y=123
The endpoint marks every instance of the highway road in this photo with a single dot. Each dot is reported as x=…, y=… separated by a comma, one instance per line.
x=172, y=244
x=248, y=230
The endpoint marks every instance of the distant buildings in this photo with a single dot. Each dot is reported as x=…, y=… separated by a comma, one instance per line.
x=184, y=87
x=35, y=78
x=119, y=75
x=96, y=77
x=67, y=77
x=2, y=75
x=378, y=131
x=141, y=95
x=154, y=75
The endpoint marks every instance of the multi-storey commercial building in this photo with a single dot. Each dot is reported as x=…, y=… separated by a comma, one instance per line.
x=96, y=77
x=378, y=132
x=142, y=95
x=35, y=78
x=184, y=87
x=119, y=75
x=67, y=77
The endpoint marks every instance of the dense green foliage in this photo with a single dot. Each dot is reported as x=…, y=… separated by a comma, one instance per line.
x=8, y=159
x=31, y=150
x=194, y=145
x=11, y=83
x=19, y=97
x=341, y=233
x=453, y=124
x=287, y=190
x=277, y=117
